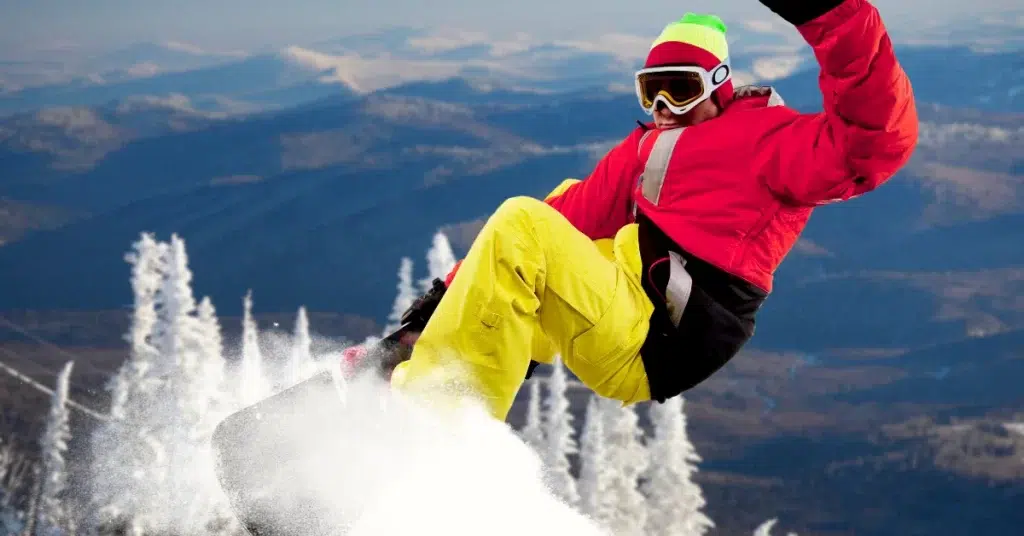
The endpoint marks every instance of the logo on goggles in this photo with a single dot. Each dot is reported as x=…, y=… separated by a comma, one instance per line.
x=720, y=74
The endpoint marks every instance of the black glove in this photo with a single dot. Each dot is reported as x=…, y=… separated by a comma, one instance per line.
x=419, y=313
x=421, y=310
x=797, y=12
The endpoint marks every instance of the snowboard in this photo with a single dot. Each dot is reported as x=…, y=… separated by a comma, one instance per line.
x=255, y=449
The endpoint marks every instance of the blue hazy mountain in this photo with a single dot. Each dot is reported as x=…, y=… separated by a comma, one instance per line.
x=317, y=203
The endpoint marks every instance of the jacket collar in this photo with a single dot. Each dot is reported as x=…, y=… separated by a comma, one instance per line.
x=744, y=98
x=756, y=97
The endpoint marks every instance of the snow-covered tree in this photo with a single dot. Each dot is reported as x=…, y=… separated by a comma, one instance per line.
x=148, y=262
x=210, y=343
x=674, y=500
x=626, y=460
x=178, y=338
x=765, y=529
x=175, y=332
x=190, y=405
x=300, y=362
x=124, y=458
x=253, y=385
x=403, y=299
x=440, y=260
x=594, y=478
x=211, y=335
x=558, y=436
x=178, y=411
x=533, y=431
x=199, y=490
x=50, y=514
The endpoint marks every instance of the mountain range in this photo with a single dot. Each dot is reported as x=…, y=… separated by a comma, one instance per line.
x=281, y=200
x=306, y=173
x=277, y=76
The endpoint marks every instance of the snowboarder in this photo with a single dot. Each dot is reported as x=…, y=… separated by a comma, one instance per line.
x=646, y=276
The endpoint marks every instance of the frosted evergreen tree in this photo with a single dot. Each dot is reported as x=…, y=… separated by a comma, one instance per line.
x=594, y=478
x=765, y=529
x=440, y=260
x=212, y=344
x=558, y=436
x=211, y=335
x=50, y=513
x=674, y=500
x=253, y=385
x=301, y=360
x=180, y=414
x=210, y=341
x=403, y=299
x=185, y=357
x=207, y=503
x=176, y=331
x=148, y=262
x=124, y=458
x=184, y=413
x=626, y=460
x=533, y=431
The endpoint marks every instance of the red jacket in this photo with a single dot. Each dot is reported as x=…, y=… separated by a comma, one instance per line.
x=740, y=188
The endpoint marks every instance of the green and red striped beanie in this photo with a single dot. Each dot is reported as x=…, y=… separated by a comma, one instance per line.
x=695, y=39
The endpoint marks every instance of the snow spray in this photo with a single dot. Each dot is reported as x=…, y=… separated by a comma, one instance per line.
x=351, y=456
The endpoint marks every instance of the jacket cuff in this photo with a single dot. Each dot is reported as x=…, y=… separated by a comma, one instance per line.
x=798, y=12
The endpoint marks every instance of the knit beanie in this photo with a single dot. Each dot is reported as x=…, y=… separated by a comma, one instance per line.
x=695, y=39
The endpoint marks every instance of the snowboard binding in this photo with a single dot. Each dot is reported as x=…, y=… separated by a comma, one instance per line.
x=395, y=348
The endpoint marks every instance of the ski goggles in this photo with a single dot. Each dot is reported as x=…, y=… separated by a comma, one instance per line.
x=679, y=87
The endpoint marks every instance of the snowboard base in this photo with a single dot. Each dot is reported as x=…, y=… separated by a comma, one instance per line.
x=256, y=455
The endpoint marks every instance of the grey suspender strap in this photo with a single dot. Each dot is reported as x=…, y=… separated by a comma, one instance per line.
x=657, y=164
x=680, y=283
x=677, y=290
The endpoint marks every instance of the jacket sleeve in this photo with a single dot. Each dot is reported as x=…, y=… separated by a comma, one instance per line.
x=868, y=128
x=602, y=203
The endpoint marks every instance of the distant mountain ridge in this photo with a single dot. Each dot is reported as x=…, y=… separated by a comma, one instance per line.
x=283, y=76
x=317, y=204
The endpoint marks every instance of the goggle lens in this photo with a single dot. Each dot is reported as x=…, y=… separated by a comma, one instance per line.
x=679, y=88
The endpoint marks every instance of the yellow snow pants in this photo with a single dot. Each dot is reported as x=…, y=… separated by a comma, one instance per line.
x=532, y=285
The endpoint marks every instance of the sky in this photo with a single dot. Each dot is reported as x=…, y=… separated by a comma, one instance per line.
x=38, y=24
